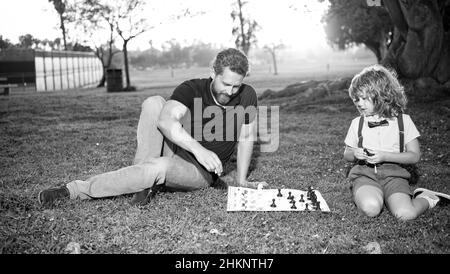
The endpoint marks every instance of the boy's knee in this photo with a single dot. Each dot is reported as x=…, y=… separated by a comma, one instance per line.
x=405, y=214
x=153, y=102
x=371, y=208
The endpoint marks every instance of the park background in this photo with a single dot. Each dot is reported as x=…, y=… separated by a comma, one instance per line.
x=52, y=137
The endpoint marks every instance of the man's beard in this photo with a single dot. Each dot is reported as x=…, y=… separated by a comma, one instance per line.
x=222, y=98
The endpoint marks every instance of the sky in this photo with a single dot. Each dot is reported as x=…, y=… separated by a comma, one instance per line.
x=295, y=23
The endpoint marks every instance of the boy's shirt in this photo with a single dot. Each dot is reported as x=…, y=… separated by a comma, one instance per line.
x=382, y=138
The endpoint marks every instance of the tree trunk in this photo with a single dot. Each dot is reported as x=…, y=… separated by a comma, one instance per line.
x=420, y=47
x=63, y=29
x=103, y=80
x=375, y=48
x=244, y=45
x=274, y=58
x=125, y=57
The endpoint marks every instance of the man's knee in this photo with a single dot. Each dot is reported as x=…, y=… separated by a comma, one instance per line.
x=153, y=102
x=159, y=164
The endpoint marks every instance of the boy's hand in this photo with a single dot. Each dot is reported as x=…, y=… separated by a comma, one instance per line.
x=376, y=156
x=359, y=154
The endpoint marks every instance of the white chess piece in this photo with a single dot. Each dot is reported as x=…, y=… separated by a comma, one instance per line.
x=261, y=185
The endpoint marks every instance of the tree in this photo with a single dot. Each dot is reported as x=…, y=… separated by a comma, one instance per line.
x=96, y=16
x=272, y=49
x=5, y=43
x=349, y=23
x=27, y=41
x=202, y=54
x=130, y=24
x=65, y=15
x=245, y=29
x=421, y=41
x=414, y=37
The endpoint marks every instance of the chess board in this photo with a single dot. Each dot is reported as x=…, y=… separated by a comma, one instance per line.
x=248, y=199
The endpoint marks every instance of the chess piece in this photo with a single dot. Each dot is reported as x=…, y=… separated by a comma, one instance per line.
x=293, y=205
x=301, y=199
x=290, y=196
x=318, y=206
x=306, y=207
x=279, y=193
x=273, y=203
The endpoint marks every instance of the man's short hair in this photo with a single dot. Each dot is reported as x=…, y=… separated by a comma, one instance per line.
x=232, y=58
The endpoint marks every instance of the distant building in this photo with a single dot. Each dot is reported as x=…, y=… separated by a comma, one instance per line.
x=49, y=70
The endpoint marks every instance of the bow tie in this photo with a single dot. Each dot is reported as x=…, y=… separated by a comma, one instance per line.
x=377, y=124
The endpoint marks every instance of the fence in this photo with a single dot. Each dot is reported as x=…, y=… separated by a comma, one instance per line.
x=66, y=70
x=40, y=70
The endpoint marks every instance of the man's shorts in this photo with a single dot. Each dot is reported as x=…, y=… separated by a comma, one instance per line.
x=390, y=178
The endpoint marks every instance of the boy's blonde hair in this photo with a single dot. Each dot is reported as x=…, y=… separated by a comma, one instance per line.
x=382, y=87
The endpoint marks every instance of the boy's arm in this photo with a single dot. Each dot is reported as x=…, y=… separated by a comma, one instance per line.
x=353, y=153
x=410, y=156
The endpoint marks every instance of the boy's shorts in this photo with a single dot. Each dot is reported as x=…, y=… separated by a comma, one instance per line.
x=390, y=178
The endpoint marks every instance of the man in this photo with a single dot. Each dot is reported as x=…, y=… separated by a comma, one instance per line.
x=170, y=151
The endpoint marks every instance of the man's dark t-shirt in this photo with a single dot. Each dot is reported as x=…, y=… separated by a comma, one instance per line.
x=190, y=92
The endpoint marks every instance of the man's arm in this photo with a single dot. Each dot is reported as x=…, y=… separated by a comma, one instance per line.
x=244, y=154
x=171, y=127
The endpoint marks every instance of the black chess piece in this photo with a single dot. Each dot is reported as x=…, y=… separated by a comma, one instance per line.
x=273, y=203
x=301, y=199
x=293, y=205
x=279, y=193
x=318, y=206
x=306, y=207
x=290, y=196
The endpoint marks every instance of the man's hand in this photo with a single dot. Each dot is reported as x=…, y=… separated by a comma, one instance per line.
x=209, y=160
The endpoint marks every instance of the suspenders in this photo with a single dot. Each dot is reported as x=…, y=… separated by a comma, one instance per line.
x=412, y=169
x=401, y=131
x=360, y=126
x=400, y=128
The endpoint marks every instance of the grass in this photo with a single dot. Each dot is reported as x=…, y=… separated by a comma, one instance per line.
x=53, y=138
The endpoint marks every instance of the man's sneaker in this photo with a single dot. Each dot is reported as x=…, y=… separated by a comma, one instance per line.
x=432, y=197
x=48, y=196
x=143, y=197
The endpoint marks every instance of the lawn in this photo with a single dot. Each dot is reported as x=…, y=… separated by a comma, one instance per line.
x=48, y=139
